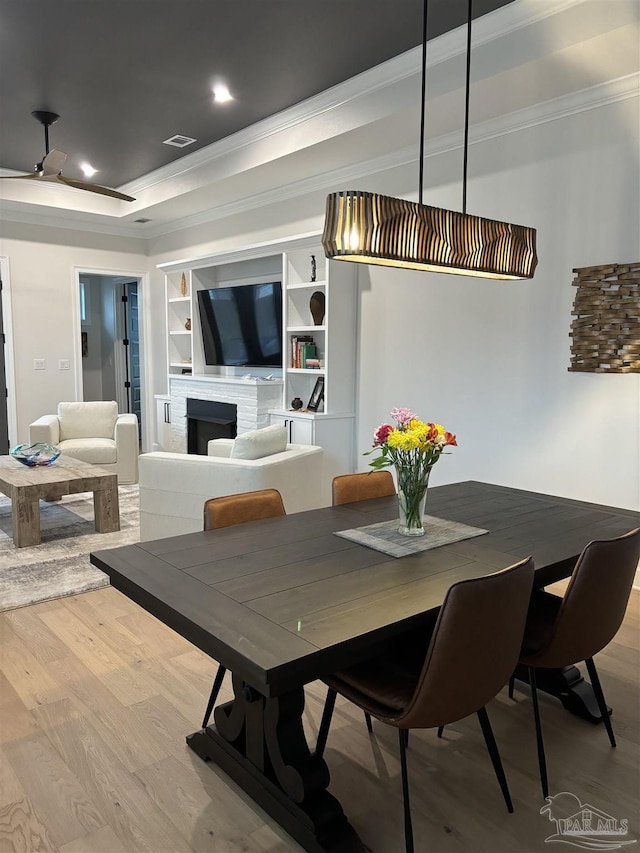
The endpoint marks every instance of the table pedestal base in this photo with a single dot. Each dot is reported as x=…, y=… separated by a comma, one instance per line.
x=260, y=744
x=568, y=685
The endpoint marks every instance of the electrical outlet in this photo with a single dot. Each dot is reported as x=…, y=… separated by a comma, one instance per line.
x=38, y=364
x=64, y=364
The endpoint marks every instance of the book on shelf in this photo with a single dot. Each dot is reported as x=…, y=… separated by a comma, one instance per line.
x=303, y=348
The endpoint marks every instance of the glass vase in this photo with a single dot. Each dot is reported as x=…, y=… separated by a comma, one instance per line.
x=412, y=498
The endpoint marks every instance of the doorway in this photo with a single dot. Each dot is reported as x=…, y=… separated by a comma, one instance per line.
x=8, y=421
x=131, y=344
x=110, y=341
x=4, y=417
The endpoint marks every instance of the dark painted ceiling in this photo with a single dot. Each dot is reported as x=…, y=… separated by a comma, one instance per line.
x=124, y=75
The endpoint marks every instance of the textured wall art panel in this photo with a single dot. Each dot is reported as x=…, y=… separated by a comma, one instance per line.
x=605, y=329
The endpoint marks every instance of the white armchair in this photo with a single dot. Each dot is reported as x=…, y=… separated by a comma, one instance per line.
x=174, y=486
x=93, y=432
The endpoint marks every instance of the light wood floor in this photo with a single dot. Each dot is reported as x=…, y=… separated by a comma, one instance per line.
x=96, y=698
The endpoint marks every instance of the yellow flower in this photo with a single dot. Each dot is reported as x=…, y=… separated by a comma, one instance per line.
x=403, y=440
x=419, y=429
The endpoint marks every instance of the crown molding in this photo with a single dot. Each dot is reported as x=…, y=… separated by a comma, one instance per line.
x=246, y=253
x=557, y=108
x=73, y=220
x=488, y=28
x=502, y=22
x=551, y=110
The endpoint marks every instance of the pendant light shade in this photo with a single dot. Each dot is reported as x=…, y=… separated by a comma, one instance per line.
x=376, y=229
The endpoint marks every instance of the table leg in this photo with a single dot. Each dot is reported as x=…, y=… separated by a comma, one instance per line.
x=106, y=509
x=25, y=519
x=568, y=685
x=260, y=744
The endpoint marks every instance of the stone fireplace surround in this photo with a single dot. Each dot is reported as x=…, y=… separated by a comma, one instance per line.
x=253, y=398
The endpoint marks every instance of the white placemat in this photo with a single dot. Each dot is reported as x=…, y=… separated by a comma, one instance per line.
x=384, y=536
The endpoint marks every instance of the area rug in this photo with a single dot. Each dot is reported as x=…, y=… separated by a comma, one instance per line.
x=60, y=565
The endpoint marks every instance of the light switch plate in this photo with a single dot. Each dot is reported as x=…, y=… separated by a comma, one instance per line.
x=64, y=364
x=38, y=364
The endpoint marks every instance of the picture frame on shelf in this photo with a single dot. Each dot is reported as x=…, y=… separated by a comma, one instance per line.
x=317, y=395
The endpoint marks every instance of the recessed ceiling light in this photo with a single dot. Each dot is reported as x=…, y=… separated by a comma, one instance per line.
x=179, y=141
x=221, y=93
x=88, y=170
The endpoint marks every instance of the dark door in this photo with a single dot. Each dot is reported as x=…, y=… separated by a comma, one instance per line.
x=132, y=348
x=4, y=425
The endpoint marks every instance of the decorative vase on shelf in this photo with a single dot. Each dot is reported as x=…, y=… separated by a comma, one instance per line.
x=296, y=403
x=187, y=324
x=313, y=268
x=413, y=482
x=183, y=285
x=316, y=304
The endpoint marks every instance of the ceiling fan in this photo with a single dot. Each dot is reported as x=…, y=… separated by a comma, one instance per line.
x=50, y=169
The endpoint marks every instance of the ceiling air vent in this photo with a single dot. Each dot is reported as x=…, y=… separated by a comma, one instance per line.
x=179, y=141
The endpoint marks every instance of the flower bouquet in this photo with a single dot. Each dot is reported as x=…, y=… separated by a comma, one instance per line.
x=413, y=446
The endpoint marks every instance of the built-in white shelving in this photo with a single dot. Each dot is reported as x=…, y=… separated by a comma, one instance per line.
x=332, y=348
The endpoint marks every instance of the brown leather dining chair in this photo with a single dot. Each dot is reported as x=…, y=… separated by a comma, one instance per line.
x=561, y=631
x=348, y=488
x=470, y=655
x=226, y=511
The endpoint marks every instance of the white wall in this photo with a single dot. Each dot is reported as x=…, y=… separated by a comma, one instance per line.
x=43, y=303
x=489, y=359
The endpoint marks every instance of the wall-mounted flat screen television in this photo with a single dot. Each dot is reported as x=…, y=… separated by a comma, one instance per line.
x=242, y=325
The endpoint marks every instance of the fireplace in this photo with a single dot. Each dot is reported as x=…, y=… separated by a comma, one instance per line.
x=207, y=420
x=254, y=399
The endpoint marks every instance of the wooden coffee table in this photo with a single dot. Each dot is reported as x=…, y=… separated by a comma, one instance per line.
x=27, y=486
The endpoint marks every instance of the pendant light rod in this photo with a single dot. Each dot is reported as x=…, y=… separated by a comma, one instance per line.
x=466, y=110
x=369, y=228
x=424, y=98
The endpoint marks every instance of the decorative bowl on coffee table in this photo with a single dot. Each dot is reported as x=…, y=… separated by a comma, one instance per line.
x=35, y=454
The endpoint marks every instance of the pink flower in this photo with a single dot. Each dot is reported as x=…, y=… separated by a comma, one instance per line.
x=381, y=434
x=402, y=416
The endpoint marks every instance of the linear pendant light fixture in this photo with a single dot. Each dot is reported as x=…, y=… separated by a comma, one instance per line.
x=375, y=229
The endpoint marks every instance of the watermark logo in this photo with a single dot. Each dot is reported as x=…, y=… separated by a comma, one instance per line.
x=583, y=825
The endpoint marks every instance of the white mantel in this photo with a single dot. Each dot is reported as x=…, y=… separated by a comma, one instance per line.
x=253, y=397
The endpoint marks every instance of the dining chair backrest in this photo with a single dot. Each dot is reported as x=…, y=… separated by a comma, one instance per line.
x=349, y=488
x=248, y=506
x=594, y=603
x=474, y=647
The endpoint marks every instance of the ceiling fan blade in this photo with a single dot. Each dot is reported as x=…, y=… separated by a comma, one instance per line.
x=50, y=170
x=20, y=177
x=94, y=188
x=53, y=162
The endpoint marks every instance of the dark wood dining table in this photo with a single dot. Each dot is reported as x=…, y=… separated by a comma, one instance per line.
x=283, y=602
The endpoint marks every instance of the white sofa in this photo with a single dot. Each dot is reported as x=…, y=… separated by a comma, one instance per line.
x=174, y=486
x=93, y=432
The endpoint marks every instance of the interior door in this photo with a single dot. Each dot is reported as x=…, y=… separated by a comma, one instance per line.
x=4, y=425
x=132, y=349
